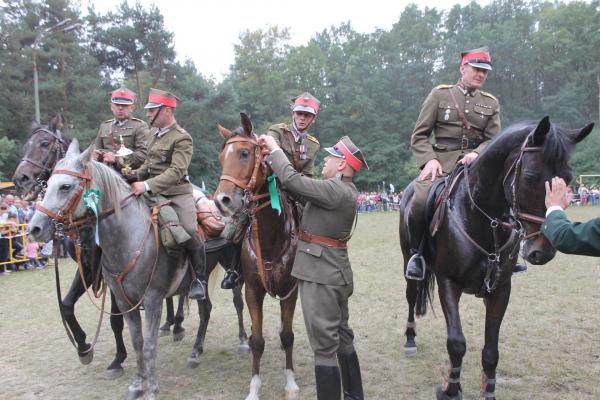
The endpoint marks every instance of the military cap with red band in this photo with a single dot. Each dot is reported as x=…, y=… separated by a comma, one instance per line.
x=347, y=150
x=122, y=96
x=478, y=58
x=160, y=98
x=306, y=102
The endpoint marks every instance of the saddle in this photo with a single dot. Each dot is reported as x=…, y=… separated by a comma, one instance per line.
x=172, y=234
x=438, y=199
x=210, y=220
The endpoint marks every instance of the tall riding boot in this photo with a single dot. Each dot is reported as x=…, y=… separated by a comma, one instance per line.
x=351, y=378
x=415, y=268
x=233, y=274
x=194, y=249
x=328, y=382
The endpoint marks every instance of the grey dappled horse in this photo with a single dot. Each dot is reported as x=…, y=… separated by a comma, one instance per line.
x=123, y=235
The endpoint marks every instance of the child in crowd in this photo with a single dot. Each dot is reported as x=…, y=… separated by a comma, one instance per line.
x=45, y=255
x=31, y=251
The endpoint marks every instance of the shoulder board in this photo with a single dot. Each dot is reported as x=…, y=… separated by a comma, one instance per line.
x=109, y=120
x=314, y=139
x=487, y=94
x=444, y=86
x=180, y=129
x=281, y=126
x=135, y=119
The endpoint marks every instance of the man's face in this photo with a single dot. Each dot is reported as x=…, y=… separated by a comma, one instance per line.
x=121, y=111
x=9, y=200
x=472, y=77
x=160, y=120
x=330, y=166
x=303, y=119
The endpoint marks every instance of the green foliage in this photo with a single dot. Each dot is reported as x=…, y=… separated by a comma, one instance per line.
x=9, y=156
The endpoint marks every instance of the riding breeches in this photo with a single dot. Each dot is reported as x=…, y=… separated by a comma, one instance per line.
x=416, y=208
x=325, y=309
x=184, y=206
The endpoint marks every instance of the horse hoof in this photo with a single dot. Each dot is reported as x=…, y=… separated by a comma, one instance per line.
x=114, y=373
x=410, y=350
x=134, y=394
x=177, y=337
x=164, y=332
x=87, y=357
x=292, y=394
x=192, y=363
x=243, y=349
x=440, y=395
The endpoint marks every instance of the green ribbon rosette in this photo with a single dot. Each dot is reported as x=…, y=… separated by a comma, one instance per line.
x=91, y=199
x=273, y=195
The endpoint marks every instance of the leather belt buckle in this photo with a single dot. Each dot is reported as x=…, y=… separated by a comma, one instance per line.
x=464, y=143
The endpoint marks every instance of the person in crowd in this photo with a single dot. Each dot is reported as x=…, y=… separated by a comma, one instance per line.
x=321, y=264
x=463, y=119
x=4, y=237
x=569, y=237
x=123, y=126
x=583, y=193
x=164, y=172
x=31, y=252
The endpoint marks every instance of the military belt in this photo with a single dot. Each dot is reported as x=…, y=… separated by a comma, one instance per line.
x=452, y=144
x=322, y=240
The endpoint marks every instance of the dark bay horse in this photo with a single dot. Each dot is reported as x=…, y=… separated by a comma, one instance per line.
x=268, y=246
x=135, y=265
x=493, y=206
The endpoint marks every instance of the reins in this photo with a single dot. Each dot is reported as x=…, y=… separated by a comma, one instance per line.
x=252, y=206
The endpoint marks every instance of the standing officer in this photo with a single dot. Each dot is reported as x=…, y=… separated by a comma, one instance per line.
x=463, y=119
x=321, y=264
x=566, y=236
x=298, y=145
x=164, y=173
x=133, y=131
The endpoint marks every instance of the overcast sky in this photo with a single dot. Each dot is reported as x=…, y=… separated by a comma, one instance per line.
x=206, y=30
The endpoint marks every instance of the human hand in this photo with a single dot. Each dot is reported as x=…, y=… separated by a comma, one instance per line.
x=468, y=158
x=138, y=188
x=109, y=157
x=267, y=144
x=432, y=168
x=556, y=193
x=97, y=155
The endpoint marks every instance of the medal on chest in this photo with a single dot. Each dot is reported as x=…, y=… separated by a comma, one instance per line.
x=447, y=114
x=302, y=151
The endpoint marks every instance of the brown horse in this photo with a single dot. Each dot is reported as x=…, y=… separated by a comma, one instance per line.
x=269, y=242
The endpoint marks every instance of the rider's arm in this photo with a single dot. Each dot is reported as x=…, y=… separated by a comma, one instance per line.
x=421, y=147
x=141, y=136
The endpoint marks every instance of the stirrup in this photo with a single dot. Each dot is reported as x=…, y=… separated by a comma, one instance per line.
x=424, y=265
x=198, y=290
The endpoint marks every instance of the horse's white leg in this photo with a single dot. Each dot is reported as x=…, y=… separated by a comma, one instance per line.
x=255, y=384
x=134, y=321
x=292, y=391
x=153, y=306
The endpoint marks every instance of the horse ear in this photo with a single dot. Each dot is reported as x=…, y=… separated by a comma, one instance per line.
x=57, y=123
x=73, y=149
x=246, y=124
x=539, y=135
x=87, y=153
x=579, y=136
x=34, y=125
x=224, y=131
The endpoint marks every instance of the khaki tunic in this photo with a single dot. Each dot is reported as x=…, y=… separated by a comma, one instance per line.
x=324, y=273
x=135, y=137
x=284, y=137
x=439, y=116
x=165, y=171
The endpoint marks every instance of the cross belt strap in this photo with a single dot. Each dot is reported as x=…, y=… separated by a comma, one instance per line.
x=322, y=240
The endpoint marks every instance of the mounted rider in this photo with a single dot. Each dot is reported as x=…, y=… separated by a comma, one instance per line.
x=298, y=145
x=164, y=173
x=132, y=131
x=463, y=119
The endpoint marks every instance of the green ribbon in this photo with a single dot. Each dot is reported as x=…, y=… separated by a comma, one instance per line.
x=274, y=196
x=91, y=199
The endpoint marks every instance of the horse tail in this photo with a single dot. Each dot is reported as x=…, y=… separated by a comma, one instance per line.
x=424, y=290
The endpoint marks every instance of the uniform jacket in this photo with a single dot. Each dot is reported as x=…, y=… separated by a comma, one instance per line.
x=440, y=116
x=166, y=167
x=135, y=138
x=330, y=211
x=572, y=237
x=284, y=137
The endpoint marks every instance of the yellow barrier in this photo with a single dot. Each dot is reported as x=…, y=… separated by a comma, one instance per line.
x=14, y=233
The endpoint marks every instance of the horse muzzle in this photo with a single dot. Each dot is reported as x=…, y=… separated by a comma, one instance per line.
x=538, y=250
x=41, y=227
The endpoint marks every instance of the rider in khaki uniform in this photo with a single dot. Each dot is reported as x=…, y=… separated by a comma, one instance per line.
x=298, y=145
x=463, y=119
x=164, y=173
x=133, y=131
x=322, y=266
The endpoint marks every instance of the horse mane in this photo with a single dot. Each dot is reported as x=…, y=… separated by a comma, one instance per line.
x=114, y=188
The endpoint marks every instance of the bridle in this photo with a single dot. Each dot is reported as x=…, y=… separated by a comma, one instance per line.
x=58, y=148
x=251, y=206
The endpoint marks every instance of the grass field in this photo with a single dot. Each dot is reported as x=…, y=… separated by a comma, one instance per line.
x=549, y=347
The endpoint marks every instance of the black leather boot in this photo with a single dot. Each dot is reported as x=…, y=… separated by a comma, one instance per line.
x=351, y=378
x=195, y=252
x=519, y=267
x=328, y=382
x=230, y=279
x=415, y=267
x=232, y=276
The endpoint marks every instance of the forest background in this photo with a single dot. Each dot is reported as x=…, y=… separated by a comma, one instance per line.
x=546, y=59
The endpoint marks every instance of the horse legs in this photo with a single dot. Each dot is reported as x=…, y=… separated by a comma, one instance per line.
x=134, y=322
x=68, y=305
x=410, y=347
x=495, y=307
x=204, y=309
x=153, y=306
x=254, y=300
x=115, y=369
x=449, y=294
x=178, y=329
x=165, y=330
x=292, y=391
x=238, y=302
